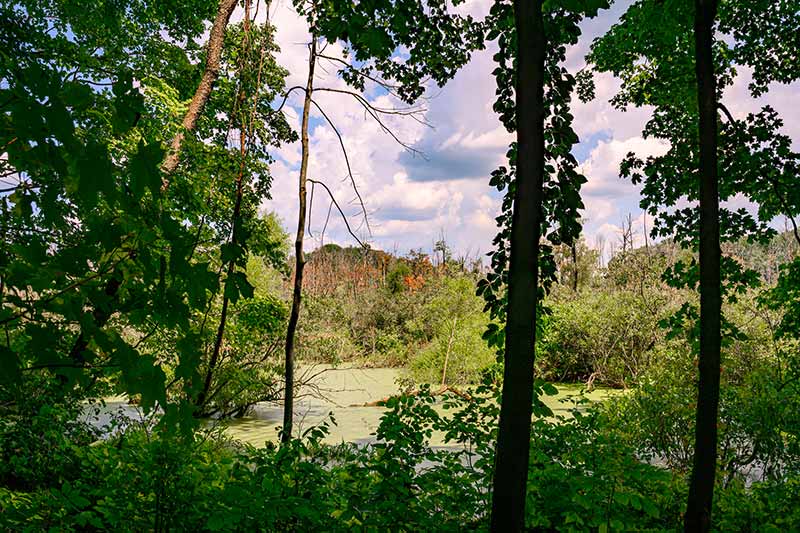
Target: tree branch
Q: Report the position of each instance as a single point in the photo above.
(344, 217)
(347, 162)
(215, 43)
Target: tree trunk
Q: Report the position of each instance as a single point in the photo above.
(237, 210)
(513, 442)
(449, 348)
(288, 402)
(216, 39)
(701, 488)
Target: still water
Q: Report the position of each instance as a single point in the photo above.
(342, 391)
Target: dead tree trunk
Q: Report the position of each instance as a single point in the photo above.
(574, 249)
(288, 395)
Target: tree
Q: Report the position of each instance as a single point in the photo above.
(373, 33)
(86, 228)
(297, 291)
(660, 66)
(210, 74)
(701, 487)
(511, 462)
(550, 203)
(250, 79)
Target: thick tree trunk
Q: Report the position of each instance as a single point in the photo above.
(288, 402)
(701, 488)
(513, 442)
(216, 39)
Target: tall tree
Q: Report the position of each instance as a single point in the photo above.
(513, 441)
(548, 160)
(712, 157)
(299, 258)
(701, 487)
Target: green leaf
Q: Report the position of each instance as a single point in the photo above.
(145, 169)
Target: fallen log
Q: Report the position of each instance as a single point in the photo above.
(441, 390)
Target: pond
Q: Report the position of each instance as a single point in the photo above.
(342, 391)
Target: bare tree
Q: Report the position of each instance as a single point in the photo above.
(378, 114)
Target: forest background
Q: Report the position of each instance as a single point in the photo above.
(147, 147)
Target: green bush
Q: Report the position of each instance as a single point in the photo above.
(759, 416)
(456, 353)
(41, 434)
(585, 475)
(604, 335)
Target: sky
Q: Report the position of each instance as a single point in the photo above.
(412, 199)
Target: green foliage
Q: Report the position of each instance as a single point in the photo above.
(456, 353)
(584, 475)
(94, 247)
(41, 442)
(652, 51)
(758, 414)
(435, 40)
(606, 335)
(396, 279)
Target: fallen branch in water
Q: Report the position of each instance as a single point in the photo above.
(437, 392)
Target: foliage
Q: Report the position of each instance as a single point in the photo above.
(562, 180)
(41, 442)
(606, 336)
(456, 353)
(88, 232)
(100, 251)
(758, 422)
(584, 475)
(436, 41)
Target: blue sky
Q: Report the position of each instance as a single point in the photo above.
(411, 200)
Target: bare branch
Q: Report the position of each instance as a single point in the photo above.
(347, 162)
(344, 217)
(391, 88)
(286, 96)
(327, 219)
(375, 114)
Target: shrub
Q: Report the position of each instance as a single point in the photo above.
(603, 335)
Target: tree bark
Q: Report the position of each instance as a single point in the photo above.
(235, 223)
(701, 488)
(288, 402)
(216, 40)
(513, 442)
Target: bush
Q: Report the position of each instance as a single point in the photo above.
(604, 335)
(584, 476)
(41, 435)
(456, 353)
(759, 416)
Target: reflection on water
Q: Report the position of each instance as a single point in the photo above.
(342, 391)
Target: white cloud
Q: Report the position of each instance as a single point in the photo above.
(412, 199)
